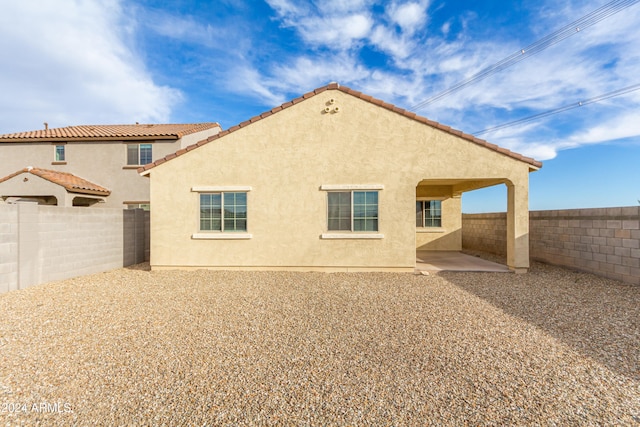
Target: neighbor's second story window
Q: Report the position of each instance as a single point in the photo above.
(139, 154)
(59, 154)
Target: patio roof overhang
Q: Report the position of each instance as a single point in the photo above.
(455, 187)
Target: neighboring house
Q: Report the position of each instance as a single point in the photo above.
(333, 181)
(89, 165)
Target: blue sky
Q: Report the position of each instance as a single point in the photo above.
(71, 62)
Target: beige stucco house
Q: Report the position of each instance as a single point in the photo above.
(333, 181)
(89, 165)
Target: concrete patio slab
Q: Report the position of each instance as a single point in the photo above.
(433, 261)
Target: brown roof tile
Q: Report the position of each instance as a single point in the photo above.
(70, 182)
(109, 132)
(368, 98)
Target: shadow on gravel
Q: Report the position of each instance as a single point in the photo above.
(597, 317)
(144, 266)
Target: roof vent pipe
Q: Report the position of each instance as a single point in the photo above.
(46, 126)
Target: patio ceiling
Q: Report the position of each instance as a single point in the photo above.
(455, 187)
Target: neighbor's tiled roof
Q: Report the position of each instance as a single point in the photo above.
(336, 86)
(109, 132)
(70, 182)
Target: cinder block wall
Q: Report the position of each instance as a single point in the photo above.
(39, 244)
(8, 247)
(603, 241)
(485, 232)
(74, 242)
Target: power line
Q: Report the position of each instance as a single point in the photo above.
(595, 99)
(575, 27)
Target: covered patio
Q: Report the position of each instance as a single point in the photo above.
(441, 242)
(434, 261)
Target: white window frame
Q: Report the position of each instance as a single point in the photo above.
(351, 234)
(430, 229)
(138, 150)
(64, 153)
(214, 234)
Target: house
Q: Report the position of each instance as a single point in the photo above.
(334, 180)
(89, 165)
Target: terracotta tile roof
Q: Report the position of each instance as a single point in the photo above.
(336, 86)
(70, 182)
(109, 132)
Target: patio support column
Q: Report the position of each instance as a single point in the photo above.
(518, 226)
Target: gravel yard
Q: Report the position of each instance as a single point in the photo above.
(133, 347)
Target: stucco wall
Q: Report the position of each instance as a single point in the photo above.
(449, 236)
(285, 159)
(604, 241)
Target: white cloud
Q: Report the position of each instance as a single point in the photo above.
(386, 40)
(72, 63)
(337, 24)
(620, 126)
(339, 32)
(408, 16)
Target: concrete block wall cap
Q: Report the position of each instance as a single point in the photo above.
(630, 210)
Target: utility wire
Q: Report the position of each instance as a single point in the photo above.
(575, 27)
(595, 99)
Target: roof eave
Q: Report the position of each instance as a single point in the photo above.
(92, 139)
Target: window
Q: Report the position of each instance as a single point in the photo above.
(59, 153)
(143, 206)
(352, 211)
(428, 213)
(139, 154)
(224, 211)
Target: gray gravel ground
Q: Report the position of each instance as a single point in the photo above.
(133, 347)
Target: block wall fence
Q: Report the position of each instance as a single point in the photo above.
(603, 241)
(39, 244)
